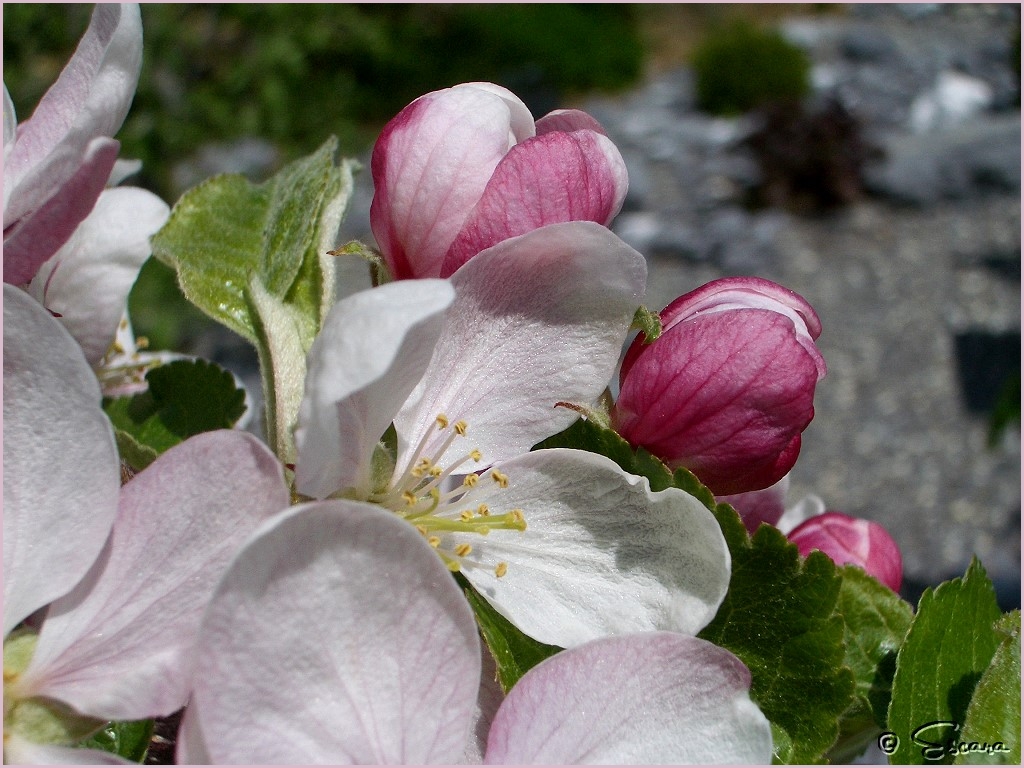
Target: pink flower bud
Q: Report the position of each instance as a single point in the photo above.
(461, 169)
(728, 387)
(853, 540)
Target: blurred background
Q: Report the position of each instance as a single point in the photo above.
(866, 156)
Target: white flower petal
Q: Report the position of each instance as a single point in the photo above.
(654, 698)
(119, 645)
(372, 350)
(337, 636)
(88, 280)
(601, 554)
(190, 747)
(18, 751)
(61, 470)
(537, 319)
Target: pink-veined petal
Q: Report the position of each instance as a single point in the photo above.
(337, 636)
(652, 698)
(601, 554)
(61, 470)
(537, 320)
(10, 121)
(430, 166)
(548, 179)
(90, 99)
(119, 645)
(488, 700)
(725, 395)
(190, 747)
(371, 352)
(35, 237)
(87, 281)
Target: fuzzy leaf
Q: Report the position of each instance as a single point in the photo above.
(948, 648)
(875, 621)
(185, 397)
(128, 740)
(994, 712)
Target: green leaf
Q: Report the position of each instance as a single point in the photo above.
(948, 648)
(875, 622)
(777, 616)
(514, 653)
(257, 259)
(227, 230)
(129, 740)
(184, 398)
(993, 716)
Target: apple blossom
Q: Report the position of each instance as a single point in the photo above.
(113, 580)
(461, 169)
(392, 676)
(57, 162)
(728, 387)
(845, 539)
(563, 543)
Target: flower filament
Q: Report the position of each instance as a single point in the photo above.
(425, 496)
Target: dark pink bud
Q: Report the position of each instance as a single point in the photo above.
(852, 540)
(464, 168)
(728, 387)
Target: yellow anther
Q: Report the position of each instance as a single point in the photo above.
(142, 342)
(422, 530)
(116, 346)
(410, 498)
(475, 455)
(460, 428)
(466, 514)
(501, 570)
(123, 325)
(483, 510)
(434, 541)
(442, 421)
(517, 516)
(470, 480)
(436, 471)
(463, 549)
(500, 479)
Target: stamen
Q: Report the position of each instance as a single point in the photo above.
(463, 549)
(501, 569)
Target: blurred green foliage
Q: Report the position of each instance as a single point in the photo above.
(295, 74)
(739, 66)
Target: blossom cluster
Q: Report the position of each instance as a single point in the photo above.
(326, 598)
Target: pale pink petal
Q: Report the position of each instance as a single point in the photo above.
(374, 347)
(551, 178)
(656, 698)
(488, 700)
(430, 166)
(337, 636)
(19, 751)
(61, 470)
(567, 120)
(10, 121)
(808, 507)
(756, 507)
(537, 320)
(189, 747)
(90, 99)
(86, 283)
(601, 554)
(119, 645)
(36, 236)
